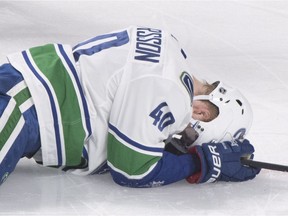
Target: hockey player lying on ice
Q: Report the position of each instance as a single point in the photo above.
(121, 102)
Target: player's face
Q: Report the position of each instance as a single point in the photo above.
(200, 111)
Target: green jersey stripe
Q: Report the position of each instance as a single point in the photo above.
(9, 126)
(22, 96)
(120, 156)
(52, 68)
(13, 136)
(6, 113)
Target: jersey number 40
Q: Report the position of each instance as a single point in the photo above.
(161, 118)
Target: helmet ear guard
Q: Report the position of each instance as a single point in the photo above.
(234, 119)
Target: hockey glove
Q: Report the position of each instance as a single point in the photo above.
(222, 162)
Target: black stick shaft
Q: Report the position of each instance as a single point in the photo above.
(264, 165)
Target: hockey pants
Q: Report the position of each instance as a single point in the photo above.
(19, 129)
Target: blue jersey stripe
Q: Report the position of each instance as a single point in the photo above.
(119, 35)
(132, 142)
(84, 102)
(97, 38)
(85, 153)
(53, 106)
(121, 39)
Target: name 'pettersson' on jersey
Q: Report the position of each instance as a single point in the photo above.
(148, 45)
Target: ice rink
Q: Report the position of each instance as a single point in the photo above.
(243, 43)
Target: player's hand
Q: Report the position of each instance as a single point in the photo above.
(222, 162)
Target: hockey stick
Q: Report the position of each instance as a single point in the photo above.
(264, 165)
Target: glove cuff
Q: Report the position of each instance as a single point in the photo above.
(200, 163)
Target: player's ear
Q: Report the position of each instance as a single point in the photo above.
(204, 115)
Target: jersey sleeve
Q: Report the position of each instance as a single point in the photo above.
(144, 114)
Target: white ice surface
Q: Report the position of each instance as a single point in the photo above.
(244, 43)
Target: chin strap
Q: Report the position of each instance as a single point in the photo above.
(209, 97)
(203, 97)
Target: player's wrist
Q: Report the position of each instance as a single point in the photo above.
(198, 160)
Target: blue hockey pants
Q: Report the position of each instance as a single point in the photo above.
(19, 129)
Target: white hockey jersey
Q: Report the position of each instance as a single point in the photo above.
(115, 97)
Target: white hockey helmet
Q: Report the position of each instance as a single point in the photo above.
(234, 119)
